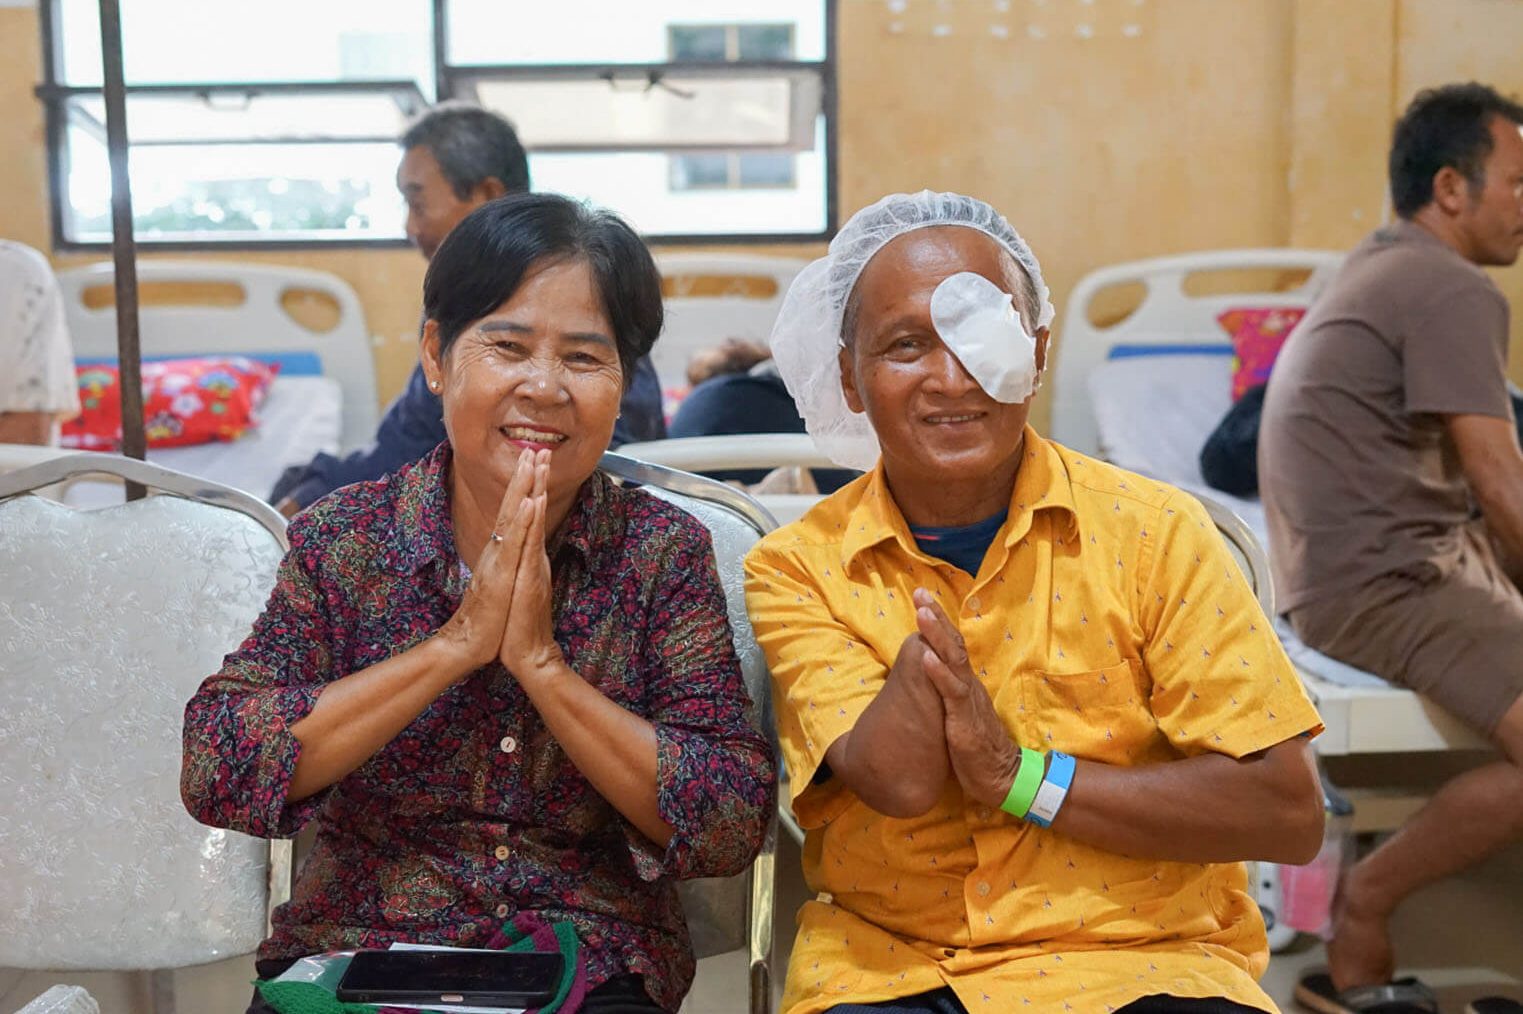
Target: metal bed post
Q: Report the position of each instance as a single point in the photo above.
(123, 242)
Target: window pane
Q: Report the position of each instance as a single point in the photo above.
(159, 118)
(765, 170)
(611, 31)
(697, 42)
(638, 186)
(772, 110)
(246, 192)
(210, 41)
(691, 172)
(766, 42)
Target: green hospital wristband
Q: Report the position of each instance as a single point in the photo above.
(1028, 779)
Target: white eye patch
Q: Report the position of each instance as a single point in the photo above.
(977, 320)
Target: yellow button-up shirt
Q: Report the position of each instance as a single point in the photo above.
(1108, 620)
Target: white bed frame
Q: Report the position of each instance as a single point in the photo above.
(1359, 720)
(695, 321)
(260, 324)
(1167, 315)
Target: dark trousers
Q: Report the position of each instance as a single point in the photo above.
(623, 994)
(944, 1001)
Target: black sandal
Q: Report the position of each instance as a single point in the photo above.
(1403, 996)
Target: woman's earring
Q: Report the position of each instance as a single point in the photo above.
(433, 385)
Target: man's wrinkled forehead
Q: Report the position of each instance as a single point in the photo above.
(932, 254)
(909, 267)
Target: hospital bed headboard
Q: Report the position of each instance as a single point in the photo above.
(711, 297)
(311, 321)
(1169, 317)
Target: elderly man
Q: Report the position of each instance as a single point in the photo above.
(1390, 469)
(455, 158)
(1034, 718)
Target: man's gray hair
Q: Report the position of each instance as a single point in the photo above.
(471, 144)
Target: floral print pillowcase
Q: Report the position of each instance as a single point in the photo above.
(1257, 337)
(185, 401)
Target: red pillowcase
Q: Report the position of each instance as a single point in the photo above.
(1257, 336)
(185, 401)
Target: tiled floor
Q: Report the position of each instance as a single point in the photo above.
(1446, 934)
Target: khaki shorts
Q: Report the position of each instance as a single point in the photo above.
(1455, 638)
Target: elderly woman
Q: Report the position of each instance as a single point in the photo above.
(500, 685)
(1033, 716)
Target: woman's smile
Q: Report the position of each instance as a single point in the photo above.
(533, 437)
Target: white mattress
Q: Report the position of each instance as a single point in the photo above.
(1154, 414)
(300, 417)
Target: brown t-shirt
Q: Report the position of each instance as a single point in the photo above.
(1358, 475)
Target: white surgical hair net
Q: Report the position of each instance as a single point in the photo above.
(806, 337)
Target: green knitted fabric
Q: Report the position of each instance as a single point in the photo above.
(565, 936)
(318, 998)
(310, 998)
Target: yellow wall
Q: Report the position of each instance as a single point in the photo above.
(1106, 130)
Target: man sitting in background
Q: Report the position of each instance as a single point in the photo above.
(1388, 462)
(37, 387)
(456, 157)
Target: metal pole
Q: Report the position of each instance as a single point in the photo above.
(123, 243)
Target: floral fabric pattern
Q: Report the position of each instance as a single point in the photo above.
(474, 814)
(1257, 337)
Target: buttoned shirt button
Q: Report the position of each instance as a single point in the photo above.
(974, 604)
(502, 911)
(983, 888)
(984, 813)
(501, 852)
(508, 744)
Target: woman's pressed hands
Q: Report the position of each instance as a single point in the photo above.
(528, 645)
(984, 758)
(477, 626)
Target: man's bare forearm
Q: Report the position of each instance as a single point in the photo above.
(895, 757)
(1207, 809)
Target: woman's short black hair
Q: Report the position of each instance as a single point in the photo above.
(485, 258)
(1448, 126)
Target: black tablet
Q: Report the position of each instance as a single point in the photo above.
(468, 978)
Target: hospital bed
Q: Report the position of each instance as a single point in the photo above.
(711, 297)
(310, 322)
(1145, 390)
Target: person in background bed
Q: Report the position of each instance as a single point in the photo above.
(500, 684)
(455, 158)
(985, 622)
(737, 390)
(37, 386)
(1388, 463)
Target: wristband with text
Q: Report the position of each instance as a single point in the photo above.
(1054, 789)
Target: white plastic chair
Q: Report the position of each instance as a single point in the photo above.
(109, 620)
(726, 913)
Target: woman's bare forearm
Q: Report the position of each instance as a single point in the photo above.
(613, 748)
(359, 714)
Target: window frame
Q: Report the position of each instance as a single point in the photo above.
(450, 81)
